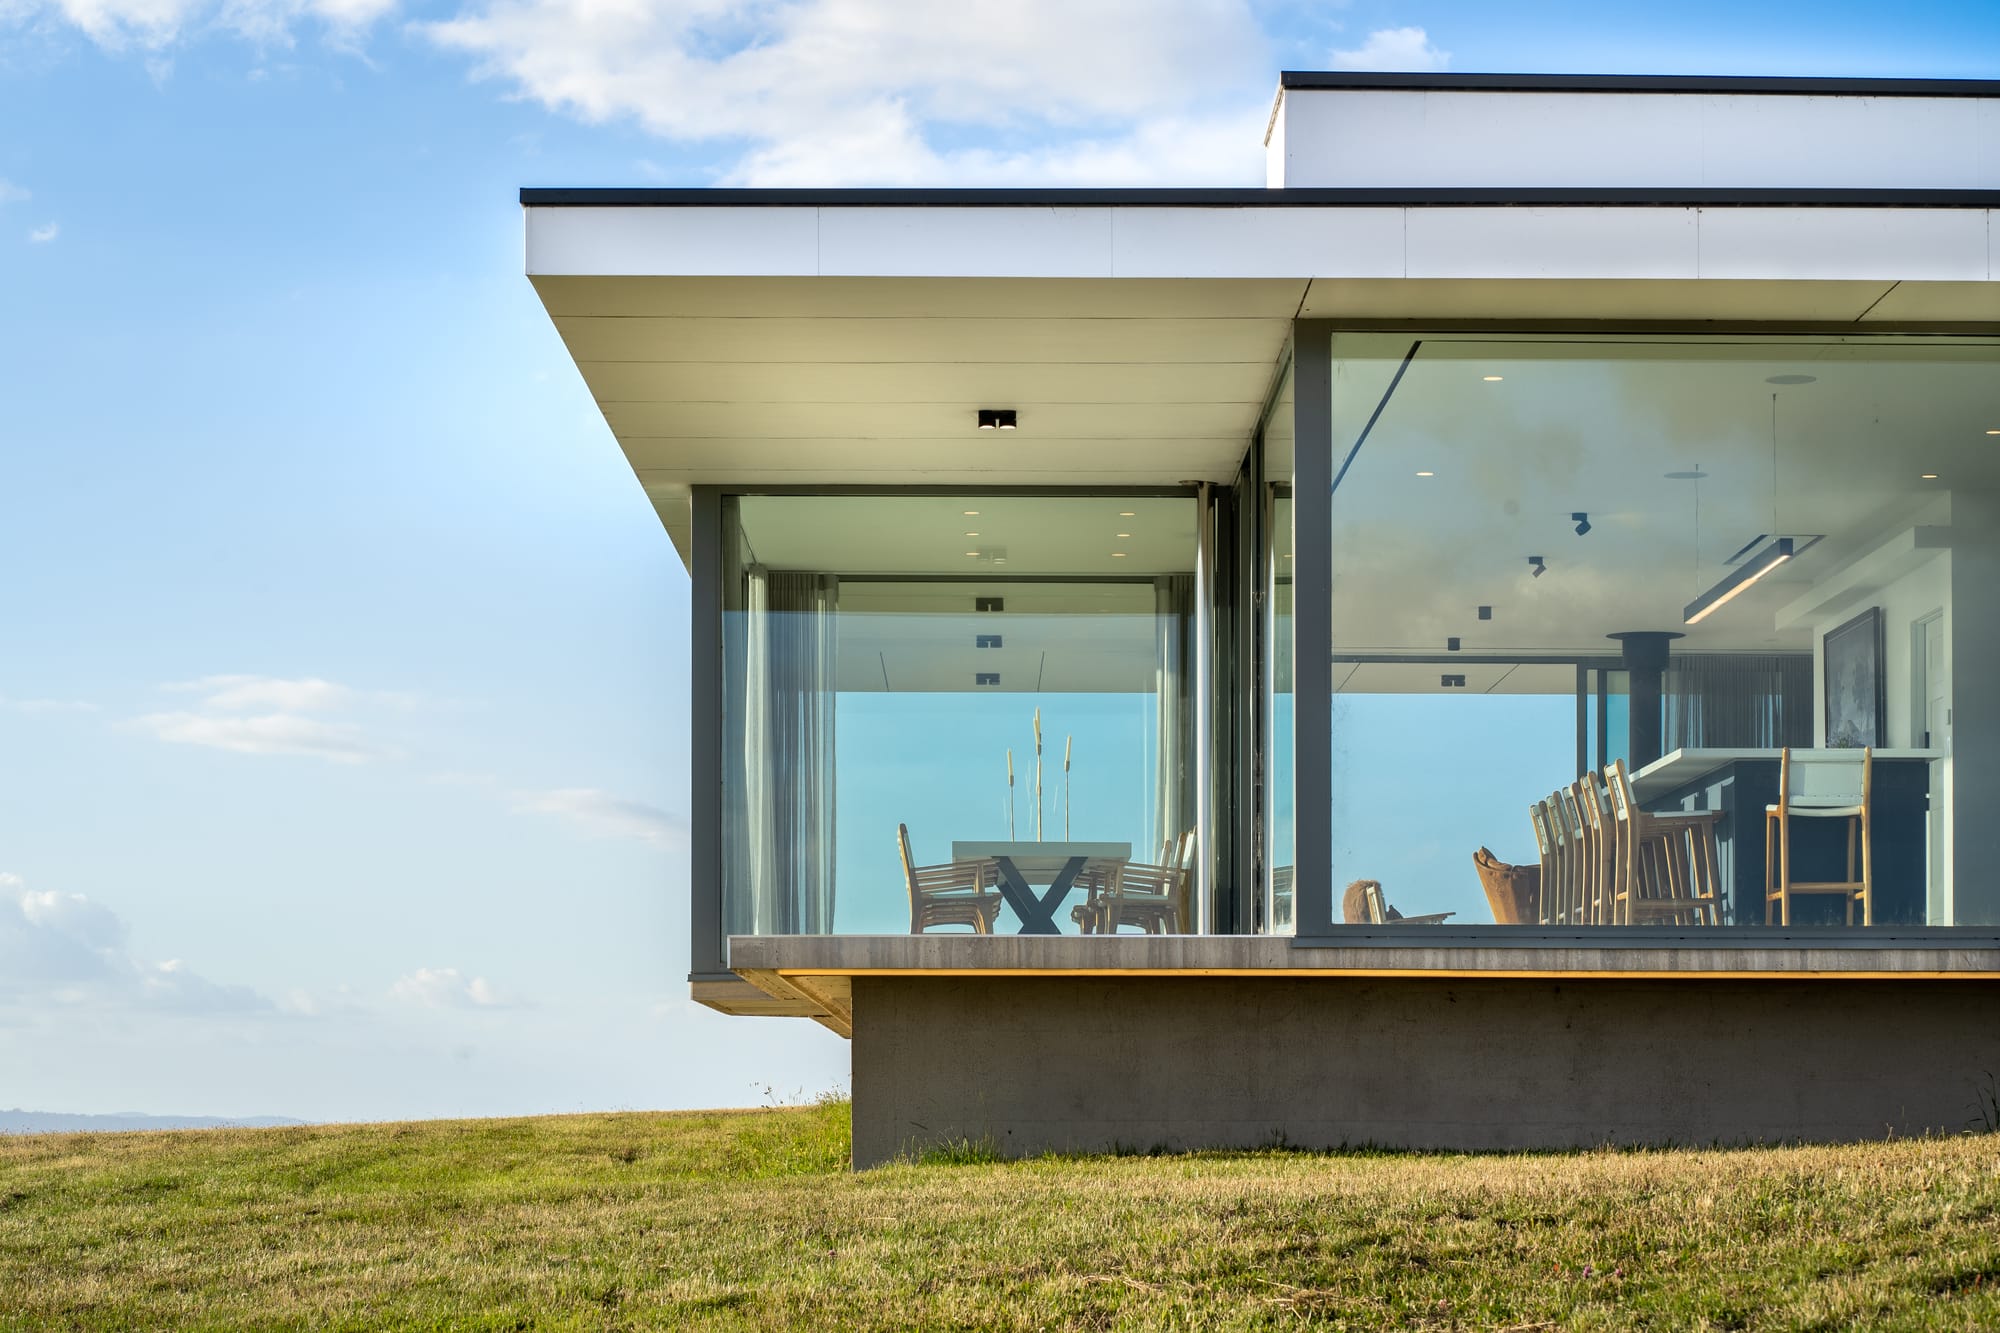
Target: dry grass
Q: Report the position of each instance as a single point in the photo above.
(751, 1220)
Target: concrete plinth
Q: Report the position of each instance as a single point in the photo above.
(1102, 1063)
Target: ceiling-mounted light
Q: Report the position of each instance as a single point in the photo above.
(1427, 474)
(1133, 513)
(970, 513)
(1747, 573)
(1582, 521)
(1928, 476)
(1539, 565)
(1993, 432)
(1451, 682)
(1493, 379)
(1790, 379)
(997, 418)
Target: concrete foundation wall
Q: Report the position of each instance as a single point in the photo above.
(1104, 1063)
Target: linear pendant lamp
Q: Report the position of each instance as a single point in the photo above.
(1747, 573)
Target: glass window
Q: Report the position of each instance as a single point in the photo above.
(1755, 559)
(1002, 686)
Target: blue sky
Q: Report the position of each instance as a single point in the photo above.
(342, 677)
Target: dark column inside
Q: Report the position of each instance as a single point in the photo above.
(1645, 664)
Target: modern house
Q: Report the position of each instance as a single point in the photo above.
(1121, 617)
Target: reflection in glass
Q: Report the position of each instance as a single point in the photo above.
(979, 671)
(1635, 549)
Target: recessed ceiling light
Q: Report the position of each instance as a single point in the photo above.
(1288, 555)
(1427, 474)
(1993, 432)
(1117, 555)
(970, 513)
(1929, 476)
(1493, 379)
(1133, 513)
(1791, 379)
(1696, 475)
(1124, 534)
(997, 418)
(972, 534)
(973, 554)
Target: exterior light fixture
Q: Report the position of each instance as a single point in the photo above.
(970, 513)
(997, 418)
(1539, 565)
(1993, 432)
(1486, 613)
(1117, 555)
(1582, 521)
(1124, 534)
(1493, 379)
(1791, 379)
(972, 534)
(1451, 682)
(1747, 573)
(973, 554)
(1928, 476)
(1451, 644)
(1427, 474)
(1133, 513)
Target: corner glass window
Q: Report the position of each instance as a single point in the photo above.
(969, 713)
(1679, 632)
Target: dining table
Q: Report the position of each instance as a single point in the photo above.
(1021, 866)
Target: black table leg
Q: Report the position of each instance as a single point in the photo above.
(1037, 913)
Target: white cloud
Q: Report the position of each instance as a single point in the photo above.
(46, 705)
(1393, 49)
(446, 988)
(43, 234)
(606, 815)
(268, 733)
(241, 693)
(848, 91)
(271, 715)
(154, 25)
(63, 948)
(11, 193)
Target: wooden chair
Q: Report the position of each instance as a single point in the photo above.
(1547, 906)
(1664, 866)
(1600, 851)
(1820, 784)
(1378, 910)
(957, 893)
(1151, 897)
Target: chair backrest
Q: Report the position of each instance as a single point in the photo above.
(1618, 786)
(1538, 816)
(1603, 834)
(909, 874)
(1822, 778)
(1378, 910)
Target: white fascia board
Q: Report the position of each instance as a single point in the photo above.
(1279, 241)
(1420, 139)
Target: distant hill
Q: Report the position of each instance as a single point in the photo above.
(59, 1122)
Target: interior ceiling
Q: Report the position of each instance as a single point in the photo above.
(1594, 427)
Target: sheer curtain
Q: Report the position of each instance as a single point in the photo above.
(1173, 632)
(779, 853)
(1738, 700)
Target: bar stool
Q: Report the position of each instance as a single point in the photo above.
(1820, 784)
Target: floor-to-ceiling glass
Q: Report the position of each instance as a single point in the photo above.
(1762, 561)
(969, 712)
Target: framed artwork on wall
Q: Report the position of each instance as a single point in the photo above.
(1855, 699)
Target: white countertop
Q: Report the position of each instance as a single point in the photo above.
(1675, 770)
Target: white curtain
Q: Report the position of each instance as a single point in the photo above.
(780, 847)
(1173, 632)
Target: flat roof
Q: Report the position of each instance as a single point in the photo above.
(1252, 197)
(1750, 85)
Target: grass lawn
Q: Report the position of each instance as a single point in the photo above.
(752, 1220)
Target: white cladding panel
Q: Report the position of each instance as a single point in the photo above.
(1408, 138)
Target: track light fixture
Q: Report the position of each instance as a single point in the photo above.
(1539, 565)
(1582, 521)
(997, 418)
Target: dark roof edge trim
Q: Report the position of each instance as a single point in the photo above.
(1638, 83)
(1481, 197)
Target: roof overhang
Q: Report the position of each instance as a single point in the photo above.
(770, 338)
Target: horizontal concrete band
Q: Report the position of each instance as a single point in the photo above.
(857, 955)
(1092, 1063)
